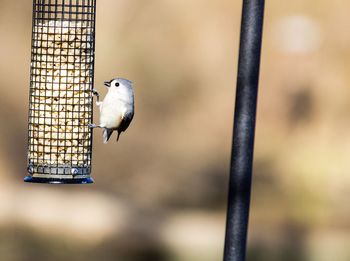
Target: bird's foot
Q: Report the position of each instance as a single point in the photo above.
(92, 126)
(95, 93)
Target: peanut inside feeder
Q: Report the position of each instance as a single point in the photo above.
(60, 106)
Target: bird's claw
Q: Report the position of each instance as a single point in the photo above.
(92, 126)
(95, 92)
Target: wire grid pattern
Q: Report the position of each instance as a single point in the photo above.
(60, 99)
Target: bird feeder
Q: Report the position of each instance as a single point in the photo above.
(60, 97)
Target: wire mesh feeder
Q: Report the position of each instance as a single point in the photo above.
(60, 98)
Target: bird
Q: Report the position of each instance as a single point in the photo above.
(117, 107)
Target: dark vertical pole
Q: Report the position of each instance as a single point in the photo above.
(244, 129)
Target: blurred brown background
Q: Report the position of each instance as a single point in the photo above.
(160, 193)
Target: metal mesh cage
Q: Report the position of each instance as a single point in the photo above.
(60, 98)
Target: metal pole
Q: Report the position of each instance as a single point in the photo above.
(243, 131)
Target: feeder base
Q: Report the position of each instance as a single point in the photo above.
(58, 181)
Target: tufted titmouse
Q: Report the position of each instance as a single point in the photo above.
(116, 109)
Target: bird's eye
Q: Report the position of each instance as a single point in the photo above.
(117, 84)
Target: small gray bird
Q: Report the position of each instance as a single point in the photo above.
(116, 109)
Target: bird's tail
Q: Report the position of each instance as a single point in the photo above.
(106, 135)
(119, 132)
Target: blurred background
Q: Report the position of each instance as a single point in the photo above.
(160, 192)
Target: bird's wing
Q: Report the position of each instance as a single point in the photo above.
(126, 119)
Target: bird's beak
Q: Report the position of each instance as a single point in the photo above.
(107, 83)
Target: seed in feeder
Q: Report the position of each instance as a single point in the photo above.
(60, 69)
